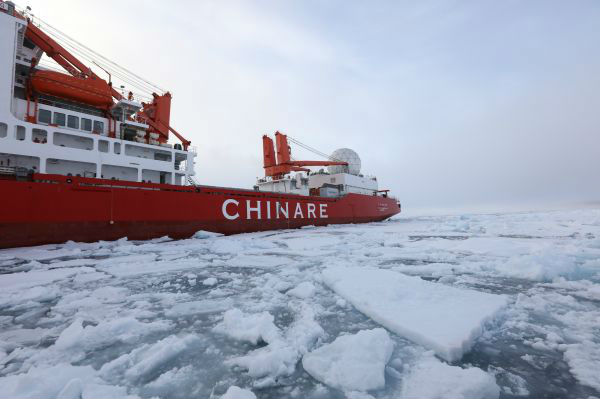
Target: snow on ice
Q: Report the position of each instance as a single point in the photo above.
(430, 378)
(503, 305)
(238, 393)
(352, 362)
(443, 318)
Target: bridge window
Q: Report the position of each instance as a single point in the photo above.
(86, 124)
(98, 127)
(73, 122)
(44, 116)
(60, 119)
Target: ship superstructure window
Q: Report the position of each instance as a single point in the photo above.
(103, 146)
(73, 122)
(20, 132)
(44, 116)
(86, 124)
(3, 129)
(98, 127)
(60, 119)
(70, 141)
(39, 136)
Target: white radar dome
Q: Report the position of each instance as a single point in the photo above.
(345, 155)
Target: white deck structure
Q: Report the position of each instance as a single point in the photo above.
(71, 140)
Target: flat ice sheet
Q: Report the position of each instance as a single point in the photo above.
(439, 317)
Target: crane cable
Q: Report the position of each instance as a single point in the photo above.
(87, 55)
(123, 74)
(313, 150)
(81, 46)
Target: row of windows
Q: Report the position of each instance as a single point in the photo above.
(70, 121)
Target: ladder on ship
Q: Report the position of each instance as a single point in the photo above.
(192, 182)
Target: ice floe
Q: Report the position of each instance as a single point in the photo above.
(352, 362)
(235, 392)
(431, 378)
(439, 317)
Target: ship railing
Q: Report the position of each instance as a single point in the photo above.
(55, 102)
(17, 171)
(95, 184)
(7, 170)
(109, 183)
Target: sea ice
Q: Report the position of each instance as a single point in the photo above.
(431, 378)
(443, 318)
(352, 362)
(147, 359)
(199, 307)
(252, 328)
(118, 318)
(210, 281)
(303, 290)
(24, 280)
(59, 381)
(280, 356)
(201, 235)
(238, 393)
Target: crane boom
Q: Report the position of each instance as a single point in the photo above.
(280, 166)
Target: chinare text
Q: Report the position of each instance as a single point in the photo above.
(255, 209)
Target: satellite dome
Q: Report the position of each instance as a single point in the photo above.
(345, 155)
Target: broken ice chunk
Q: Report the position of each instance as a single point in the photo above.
(352, 362)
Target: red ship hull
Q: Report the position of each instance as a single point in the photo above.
(54, 209)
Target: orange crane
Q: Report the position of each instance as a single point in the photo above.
(83, 85)
(281, 164)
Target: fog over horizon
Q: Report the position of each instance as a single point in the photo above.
(451, 104)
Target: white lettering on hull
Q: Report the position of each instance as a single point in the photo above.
(278, 208)
(250, 209)
(224, 209)
(298, 212)
(254, 210)
(322, 210)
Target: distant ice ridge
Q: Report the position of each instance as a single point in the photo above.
(439, 317)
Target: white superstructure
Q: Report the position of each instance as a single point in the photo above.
(338, 180)
(71, 138)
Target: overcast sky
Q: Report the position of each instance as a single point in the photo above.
(449, 103)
